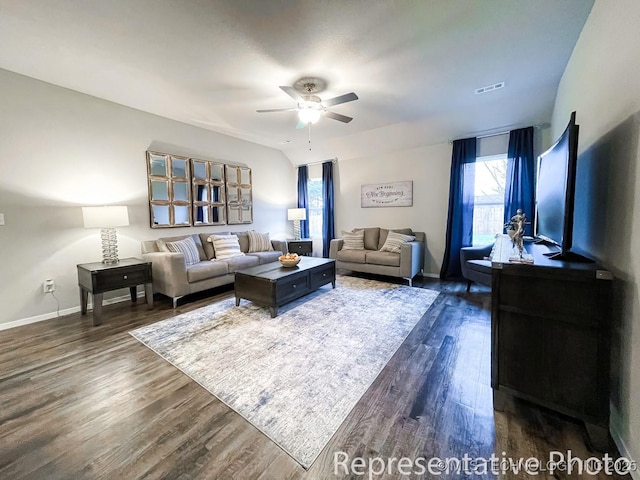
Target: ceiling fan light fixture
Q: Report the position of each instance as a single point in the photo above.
(309, 115)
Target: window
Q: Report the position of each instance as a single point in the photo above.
(314, 186)
(488, 210)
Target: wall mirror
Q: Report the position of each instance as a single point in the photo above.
(169, 178)
(208, 191)
(239, 194)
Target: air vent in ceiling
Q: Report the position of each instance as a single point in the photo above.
(489, 88)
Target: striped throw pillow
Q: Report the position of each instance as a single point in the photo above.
(225, 246)
(188, 248)
(259, 242)
(394, 241)
(353, 240)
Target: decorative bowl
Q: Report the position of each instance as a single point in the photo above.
(290, 263)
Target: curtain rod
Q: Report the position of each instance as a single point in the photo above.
(332, 160)
(543, 125)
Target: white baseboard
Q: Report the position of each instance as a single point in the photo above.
(62, 313)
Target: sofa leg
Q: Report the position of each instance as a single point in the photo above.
(175, 301)
(468, 285)
(410, 280)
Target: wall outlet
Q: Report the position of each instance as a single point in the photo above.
(49, 286)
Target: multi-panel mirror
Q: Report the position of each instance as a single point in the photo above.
(239, 195)
(169, 192)
(192, 192)
(208, 192)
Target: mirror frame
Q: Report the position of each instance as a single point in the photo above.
(239, 210)
(209, 184)
(171, 179)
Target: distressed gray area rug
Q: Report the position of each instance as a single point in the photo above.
(295, 377)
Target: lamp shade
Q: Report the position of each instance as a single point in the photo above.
(105, 217)
(297, 214)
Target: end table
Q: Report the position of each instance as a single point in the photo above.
(97, 278)
(304, 246)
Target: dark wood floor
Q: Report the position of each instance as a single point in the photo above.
(78, 401)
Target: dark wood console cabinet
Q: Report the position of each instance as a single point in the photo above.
(550, 328)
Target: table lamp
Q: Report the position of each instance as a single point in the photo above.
(106, 219)
(297, 214)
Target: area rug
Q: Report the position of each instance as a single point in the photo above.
(295, 377)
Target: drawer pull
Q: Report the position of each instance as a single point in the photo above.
(324, 274)
(124, 276)
(294, 285)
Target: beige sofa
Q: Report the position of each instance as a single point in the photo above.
(406, 264)
(173, 278)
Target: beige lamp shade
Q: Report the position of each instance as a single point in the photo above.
(297, 214)
(105, 217)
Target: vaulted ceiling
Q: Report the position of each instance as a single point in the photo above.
(211, 63)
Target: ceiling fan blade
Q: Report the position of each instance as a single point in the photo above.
(347, 97)
(293, 93)
(337, 116)
(277, 110)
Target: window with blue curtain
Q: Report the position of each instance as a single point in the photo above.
(520, 182)
(303, 198)
(460, 214)
(328, 227)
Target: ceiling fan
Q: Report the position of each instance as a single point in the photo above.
(311, 107)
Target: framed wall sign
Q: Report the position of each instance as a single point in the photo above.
(396, 194)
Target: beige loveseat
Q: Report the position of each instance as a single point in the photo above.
(173, 278)
(407, 263)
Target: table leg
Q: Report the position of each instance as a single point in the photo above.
(333, 283)
(148, 293)
(134, 294)
(274, 311)
(237, 301)
(97, 308)
(84, 295)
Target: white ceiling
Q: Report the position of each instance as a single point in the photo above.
(211, 63)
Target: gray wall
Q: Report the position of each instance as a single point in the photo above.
(61, 150)
(601, 84)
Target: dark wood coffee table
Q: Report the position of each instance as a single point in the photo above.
(272, 285)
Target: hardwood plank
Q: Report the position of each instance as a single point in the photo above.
(78, 401)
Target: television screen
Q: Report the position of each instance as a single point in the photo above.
(551, 192)
(555, 193)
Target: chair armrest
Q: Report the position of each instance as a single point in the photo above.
(334, 247)
(169, 273)
(411, 258)
(475, 253)
(280, 245)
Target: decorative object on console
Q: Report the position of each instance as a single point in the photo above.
(515, 230)
(239, 195)
(106, 219)
(296, 214)
(397, 194)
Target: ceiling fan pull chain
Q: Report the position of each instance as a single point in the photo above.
(309, 136)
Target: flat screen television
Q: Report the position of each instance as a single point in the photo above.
(555, 194)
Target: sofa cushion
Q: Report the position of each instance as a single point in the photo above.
(266, 257)
(162, 244)
(371, 236)
(354, 256)
(394, 241)
(243, 239)
(206, 270)
(187, 247)
(383, 258)
(225, 246)
(207, 246)
(240, 262)
(353, 240)
(384, 232)
(259, 242)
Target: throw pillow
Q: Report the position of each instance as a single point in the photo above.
(394, 241)
(187, 247)
(259, 242)
(225, 246)
(353, 240)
